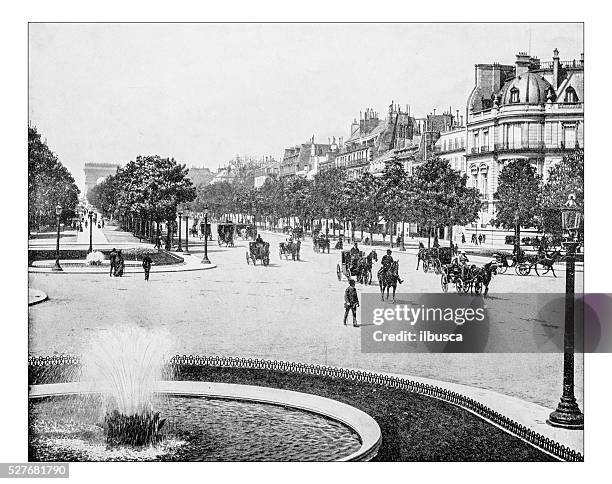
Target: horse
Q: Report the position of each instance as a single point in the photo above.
(320, 244)
(388, 278)
(548, 261)
(364, 267)
(481, 277)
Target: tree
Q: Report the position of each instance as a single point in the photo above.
(148, 189)
(393, 193)
(441, 196)
(49, 184)
(564, 178)
(518, 198)
(326, 187)
(104, 195)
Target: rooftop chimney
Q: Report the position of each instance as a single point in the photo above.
(556, 63)
(523, 60)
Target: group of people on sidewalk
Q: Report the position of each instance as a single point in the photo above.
(117, 264)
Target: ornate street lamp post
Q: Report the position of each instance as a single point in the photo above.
(568, 414)
(326, 222)
(186, 252)
(90, 232)
(180, 247)
(205, 260)
(58, 212)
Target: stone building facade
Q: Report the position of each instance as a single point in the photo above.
(303, 160)
(532, 110)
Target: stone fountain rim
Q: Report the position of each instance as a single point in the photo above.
(360, 422)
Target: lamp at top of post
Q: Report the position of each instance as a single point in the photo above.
(571, 217)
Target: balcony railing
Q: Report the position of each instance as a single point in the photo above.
(480, 149)
(521, 147)
(573, 64)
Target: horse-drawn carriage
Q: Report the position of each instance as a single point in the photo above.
(321, 243)
(289, 248)
(225, 233)
(346, 264)
(205, 230)
(434, 259)
(468, 278)
(523, 263)
(359, 267)
(258, 250)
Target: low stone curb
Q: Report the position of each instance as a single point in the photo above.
(36, 296)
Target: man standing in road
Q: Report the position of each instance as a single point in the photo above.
(147, 262)
(351, 302)
(113, 261)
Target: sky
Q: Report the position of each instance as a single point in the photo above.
(203, 93)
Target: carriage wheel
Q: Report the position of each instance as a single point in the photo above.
(298, 255)
(437, 267)
(339, 272)
(459, 285)
(248, 258)
(444, 283)
(219, 241)
(477, 287)
(367, 278)
(501, 269)
(425, 267)
(523, 269)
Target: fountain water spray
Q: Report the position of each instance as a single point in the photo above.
(125, 363)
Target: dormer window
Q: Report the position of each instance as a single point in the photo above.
(514, 95)
(570, 95)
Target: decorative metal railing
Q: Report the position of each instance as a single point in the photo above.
(532, 437)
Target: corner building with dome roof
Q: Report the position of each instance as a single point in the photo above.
(532, 110)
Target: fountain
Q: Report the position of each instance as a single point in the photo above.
(126, 405)
(126, 363)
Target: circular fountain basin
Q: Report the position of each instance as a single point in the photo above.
(218, 421)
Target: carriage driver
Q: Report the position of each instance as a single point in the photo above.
(259, 240)
(385, 263)
(461, 261)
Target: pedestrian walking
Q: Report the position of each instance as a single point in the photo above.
(113, 261)
(147, 262)
(463, 238)
(484, 238)
(119, 264)
(479, 239)
(351, 302)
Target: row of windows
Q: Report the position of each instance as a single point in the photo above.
(570, 95)
(453, 144)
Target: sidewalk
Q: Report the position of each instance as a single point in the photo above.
(97, 236)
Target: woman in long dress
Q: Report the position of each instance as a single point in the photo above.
(120, 264)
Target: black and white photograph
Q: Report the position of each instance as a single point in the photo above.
(313, 241)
